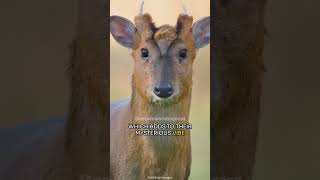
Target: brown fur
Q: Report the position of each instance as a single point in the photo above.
(137, 157)
(165, 33)
(184, 25)
(164, 36)
(145, 26)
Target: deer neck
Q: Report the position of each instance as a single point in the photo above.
(161, 151)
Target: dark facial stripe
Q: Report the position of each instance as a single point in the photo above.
(166, 70)
(178, 27)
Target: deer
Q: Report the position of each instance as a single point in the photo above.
(76, 147)
(161, 87)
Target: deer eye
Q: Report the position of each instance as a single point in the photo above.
(183, 54)
(144, 53)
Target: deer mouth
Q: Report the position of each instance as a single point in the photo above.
(159, 101)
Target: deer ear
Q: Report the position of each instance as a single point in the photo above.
(201, 32)
(122, 30)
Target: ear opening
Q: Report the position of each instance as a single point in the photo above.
(201, 32)
(123, 31)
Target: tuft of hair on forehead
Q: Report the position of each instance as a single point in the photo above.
(184, 25)
(165, 33)
(145, 25)
(164, 36)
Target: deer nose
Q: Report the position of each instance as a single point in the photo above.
(163, 90)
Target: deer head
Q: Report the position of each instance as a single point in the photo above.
(163, 56)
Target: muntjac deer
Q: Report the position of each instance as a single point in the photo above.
(76, 148)
(161, 88)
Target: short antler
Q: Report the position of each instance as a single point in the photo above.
(141, 7)
(184, 8)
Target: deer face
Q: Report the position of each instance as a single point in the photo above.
(163, 56)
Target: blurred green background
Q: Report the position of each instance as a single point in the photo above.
(166, 12)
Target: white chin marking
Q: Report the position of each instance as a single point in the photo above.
(162, 101)
(156, 99)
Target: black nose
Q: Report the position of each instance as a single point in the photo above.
(163, 90)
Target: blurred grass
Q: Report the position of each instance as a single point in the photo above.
(122, 68)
